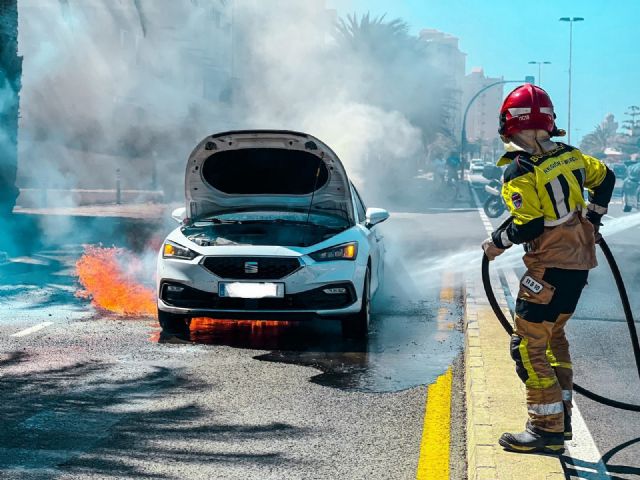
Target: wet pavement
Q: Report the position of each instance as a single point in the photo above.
(89, 395)
(400, 352)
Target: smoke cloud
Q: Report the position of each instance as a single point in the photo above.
(134, 85)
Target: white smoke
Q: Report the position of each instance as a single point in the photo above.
(103, 91)
(300, 79)
(123, 85)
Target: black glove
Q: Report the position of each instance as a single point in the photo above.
(595, 219)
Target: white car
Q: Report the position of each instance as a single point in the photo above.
(272, 230)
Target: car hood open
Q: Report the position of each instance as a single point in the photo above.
(253, 170)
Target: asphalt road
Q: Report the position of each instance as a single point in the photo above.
(88, 395)
(602, 353)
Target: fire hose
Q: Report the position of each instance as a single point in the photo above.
(486, 280)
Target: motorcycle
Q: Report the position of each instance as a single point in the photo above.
(494, 205)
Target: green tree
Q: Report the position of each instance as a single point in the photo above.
(366, 34)
(631, 124)
(630, 141)
(396, 71)
(603, 136)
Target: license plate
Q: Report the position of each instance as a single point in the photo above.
(250, 290)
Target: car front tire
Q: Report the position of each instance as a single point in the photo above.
(357, 325)
(173, 324)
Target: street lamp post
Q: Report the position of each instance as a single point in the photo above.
(463, 133)
(571, 20)
(535, 62)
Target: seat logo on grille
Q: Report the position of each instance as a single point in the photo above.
(250, 267)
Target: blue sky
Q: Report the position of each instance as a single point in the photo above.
(502, 36)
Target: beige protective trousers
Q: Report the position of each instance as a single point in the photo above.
(558, 264)
(543, 362)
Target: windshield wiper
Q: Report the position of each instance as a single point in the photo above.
(218, 221)
(298, 222)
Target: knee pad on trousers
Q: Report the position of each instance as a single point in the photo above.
(515, 354)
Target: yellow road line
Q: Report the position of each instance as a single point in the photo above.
(447, 297)
(447, 294)
(434, 449)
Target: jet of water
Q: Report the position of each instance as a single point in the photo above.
(620, 224)
(469, 260)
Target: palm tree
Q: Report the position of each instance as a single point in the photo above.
(603, 136)
(595, 142)
(394, 71)
(368, 34)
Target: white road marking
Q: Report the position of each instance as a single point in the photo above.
(30, 330)
(28, 260)
(483, 216)
(582, 448)
(512, 279)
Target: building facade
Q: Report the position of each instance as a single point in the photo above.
(446, 57)
(482, 118)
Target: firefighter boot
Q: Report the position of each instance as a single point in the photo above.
(568, 432)
(533, 440)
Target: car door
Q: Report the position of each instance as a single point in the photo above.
(374, 238)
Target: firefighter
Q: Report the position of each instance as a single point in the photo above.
(543, 189)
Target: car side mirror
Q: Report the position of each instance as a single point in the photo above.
(179, 214)
(375, 216)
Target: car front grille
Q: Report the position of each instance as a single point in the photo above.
(257, 268)
(316, 299)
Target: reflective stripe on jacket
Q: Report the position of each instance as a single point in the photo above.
(545, 190)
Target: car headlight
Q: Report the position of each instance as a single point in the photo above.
(173, 250)
(346, 251)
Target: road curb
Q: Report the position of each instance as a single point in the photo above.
(495, 397)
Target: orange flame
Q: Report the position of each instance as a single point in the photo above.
(112, 287)
(202, 323)
(117, 289)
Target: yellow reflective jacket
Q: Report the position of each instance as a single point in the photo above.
(545, 190)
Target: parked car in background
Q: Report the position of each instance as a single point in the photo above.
(476, 173)
(476, 166)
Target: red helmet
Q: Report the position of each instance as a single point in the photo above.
(527, 108)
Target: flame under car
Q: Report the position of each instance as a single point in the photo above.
(272, 229)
